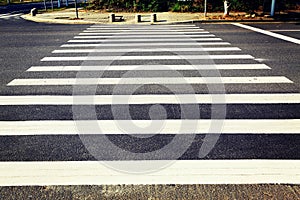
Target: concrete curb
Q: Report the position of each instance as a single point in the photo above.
(55, 21)
(39, 19)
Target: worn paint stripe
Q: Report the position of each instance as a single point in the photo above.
(186, 126)
(168, 172)
(149, 67)
(289, 98)
(146, 80)
(164, 57)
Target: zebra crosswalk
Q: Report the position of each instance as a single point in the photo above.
(153, 104)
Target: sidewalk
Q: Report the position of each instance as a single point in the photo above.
(68, 16)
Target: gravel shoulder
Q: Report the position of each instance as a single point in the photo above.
(165, 192)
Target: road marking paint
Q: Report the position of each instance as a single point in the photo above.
(145, 80)
(146, 33)
(5, 16)
(166, 57)
(33, 173)
(175, 25)
(144, 28)
(140, 36)
(276, 35)
(164, 44)
(145, 40)
(148, 67)
(147, 50)
(169, 126)
(148, 26)
(289, 98)
(285, 30)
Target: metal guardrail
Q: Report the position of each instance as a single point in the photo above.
(6, 2)
(56, 3)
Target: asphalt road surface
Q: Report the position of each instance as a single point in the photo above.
(222, 99)
(13, 11)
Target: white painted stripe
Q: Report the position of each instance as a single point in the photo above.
(276, 35)
(146, 40)
(136, 30)
(9, 16)
(148, 26)
(177, 126)
(5, 14)
(140, 36)
(166, 57)
(147, 50)
(33, 173)
(138, 27)
(289, 98)
(176, 25)
(13, 15)
(148, 67)
(285, 30)
(141, 26)
(146, 33)
(144, 28)
(145, 80)
(143, 45)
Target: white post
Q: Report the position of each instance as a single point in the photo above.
(52, 5)
(205, 6)
(45, 5)
(226, 8)
(273, 8)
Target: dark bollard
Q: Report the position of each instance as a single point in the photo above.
(112, 17)
(33, 12)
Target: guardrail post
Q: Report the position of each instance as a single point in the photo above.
(45, 5)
